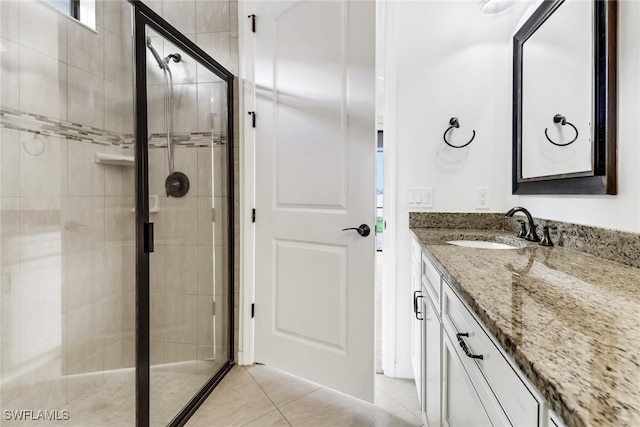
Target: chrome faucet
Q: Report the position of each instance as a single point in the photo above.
(531, 229)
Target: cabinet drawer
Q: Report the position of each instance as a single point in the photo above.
(519, 404)
(431, 281)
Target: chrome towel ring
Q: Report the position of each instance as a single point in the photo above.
(454, 123)
(559, 118)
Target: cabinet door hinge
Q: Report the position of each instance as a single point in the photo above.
(253, 118)
(253, 310)
(253, 22)
(214, 308)
(253, 215)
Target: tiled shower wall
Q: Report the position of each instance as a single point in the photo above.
(67, 223)
(65, 261)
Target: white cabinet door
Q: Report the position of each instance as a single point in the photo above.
(416, 326)
(432, 368)
(462, 406)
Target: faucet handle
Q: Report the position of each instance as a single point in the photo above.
(546, 238)
(523, 229)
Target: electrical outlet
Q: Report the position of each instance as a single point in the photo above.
(482, 198)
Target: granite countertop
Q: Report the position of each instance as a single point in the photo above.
(570, 320)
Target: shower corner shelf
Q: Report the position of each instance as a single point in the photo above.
(114, 159)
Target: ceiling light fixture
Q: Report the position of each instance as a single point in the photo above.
(493, 7)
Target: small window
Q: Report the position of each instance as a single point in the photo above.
(81, 10)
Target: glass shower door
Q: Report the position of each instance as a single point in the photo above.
(188, 205)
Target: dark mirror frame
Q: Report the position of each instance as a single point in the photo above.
(602, 179)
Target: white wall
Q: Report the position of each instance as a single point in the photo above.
(445, 59)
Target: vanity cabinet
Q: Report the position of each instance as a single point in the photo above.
(463, 376)
(461, 404)
(417, 319)
(503, 394)
(431, 402)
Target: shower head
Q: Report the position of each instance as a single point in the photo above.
(161, 62)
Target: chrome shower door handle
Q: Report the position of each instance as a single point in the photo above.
(363, 230)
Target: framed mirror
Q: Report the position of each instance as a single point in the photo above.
(564, 99)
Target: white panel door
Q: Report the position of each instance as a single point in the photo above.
(315, 175)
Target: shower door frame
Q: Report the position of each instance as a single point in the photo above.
(144, 17)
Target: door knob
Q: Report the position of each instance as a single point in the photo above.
(363, 230)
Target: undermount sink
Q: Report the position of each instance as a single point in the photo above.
(480, 244)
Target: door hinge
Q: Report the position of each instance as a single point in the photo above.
(214, 308)
(253, 22)
(148, 237)
(253, 310)
(253, 215)
(253, 118)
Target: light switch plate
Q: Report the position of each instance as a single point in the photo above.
(421, 197)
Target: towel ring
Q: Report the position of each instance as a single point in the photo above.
(559, 118)
(454, 123)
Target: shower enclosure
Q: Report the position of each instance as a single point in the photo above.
(116, 218)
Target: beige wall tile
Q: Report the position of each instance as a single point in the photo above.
(186, 161)
(180, 320)
(212, 16)
(205, 158)
(181, 269)
(86, 48)
(9, 72)
(83, 223)
(113, 14)
(41, 227)
(119, 220)
(85, 177)
(205, 320)
(157, 267)
(9, 25)
(119, 180)
(205, 221)
(181, 14)
(181, 220)
(158, 317)
(205, 270)
(42, 77)
(43, 165)
(43, 29)
(86, 98)
(216, 44)
(10, 230)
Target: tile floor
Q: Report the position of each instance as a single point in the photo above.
(261, 396)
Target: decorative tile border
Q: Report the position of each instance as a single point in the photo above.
(41, 125)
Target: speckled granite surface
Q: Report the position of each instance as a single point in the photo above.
(614, 245)
(570, 320)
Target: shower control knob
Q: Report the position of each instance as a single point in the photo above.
(177, 184)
